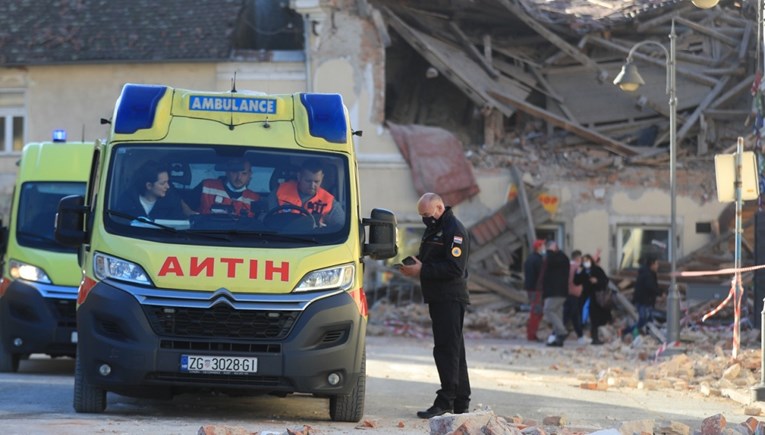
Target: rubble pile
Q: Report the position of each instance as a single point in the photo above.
(704, 364)
(485, 421)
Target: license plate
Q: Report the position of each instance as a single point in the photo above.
(229, 365)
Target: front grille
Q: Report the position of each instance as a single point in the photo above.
(220, 321)
(221, 347)
(67, 312)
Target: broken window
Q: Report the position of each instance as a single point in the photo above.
(637, 241)
(269, 25)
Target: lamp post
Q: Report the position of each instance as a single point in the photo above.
(705, 4)
(629, 80)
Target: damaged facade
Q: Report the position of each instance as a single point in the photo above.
(527, 85)
(523, 85)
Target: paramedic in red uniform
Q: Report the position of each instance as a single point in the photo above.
(229, 194)
(306, 192)
(442, 265)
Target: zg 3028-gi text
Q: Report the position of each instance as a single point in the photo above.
(222, 364)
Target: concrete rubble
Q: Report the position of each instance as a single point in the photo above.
(485, 422)
(703, 367)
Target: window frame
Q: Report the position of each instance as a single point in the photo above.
(620, 242)
(8, 113)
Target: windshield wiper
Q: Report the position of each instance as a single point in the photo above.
(141, 219)
(265, 235)
(145, 220)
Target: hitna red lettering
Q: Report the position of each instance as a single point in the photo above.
(269, 270)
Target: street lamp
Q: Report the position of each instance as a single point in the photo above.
(629, 80)
(705, 4)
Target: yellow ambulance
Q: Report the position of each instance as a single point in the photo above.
(38, 290)
(223, 250)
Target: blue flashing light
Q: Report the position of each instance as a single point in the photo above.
(59, 135)
(137, 107)
(326, 117)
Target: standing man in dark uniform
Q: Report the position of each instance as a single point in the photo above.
(442, 267)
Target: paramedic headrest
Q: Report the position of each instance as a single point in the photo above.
(236, 165)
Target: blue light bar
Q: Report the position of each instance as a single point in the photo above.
(326, 117)
(137, 107)
(59, 135)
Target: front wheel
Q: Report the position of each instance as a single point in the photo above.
(87, 397)
(350, 407)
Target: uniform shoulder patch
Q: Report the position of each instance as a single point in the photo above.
(456, 251)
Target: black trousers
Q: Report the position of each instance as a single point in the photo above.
(449, 354)
(572, 312)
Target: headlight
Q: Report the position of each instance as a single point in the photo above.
(26, 271)
(105, 266)
(339, 277)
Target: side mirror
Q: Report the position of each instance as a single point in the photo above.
(382, 235)
(70, 221)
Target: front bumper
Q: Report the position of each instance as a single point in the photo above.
(39, 318)
(298, 339)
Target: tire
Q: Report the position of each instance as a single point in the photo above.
(350, 407)
(9, 362)
(87, 398)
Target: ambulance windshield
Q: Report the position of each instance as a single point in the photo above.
(38, 203)
(207, 194)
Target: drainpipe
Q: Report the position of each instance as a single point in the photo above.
(307, 25)
(313, 18)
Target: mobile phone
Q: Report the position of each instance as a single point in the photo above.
(408, 261)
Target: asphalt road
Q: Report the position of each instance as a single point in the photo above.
(401, 380)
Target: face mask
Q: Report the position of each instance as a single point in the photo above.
(235, 189)
(543, 252)
(429, 221)
(587, 264)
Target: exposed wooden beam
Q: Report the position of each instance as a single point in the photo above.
(612, 145)
(552, 37)
(744, 47)
(727, 114)
(702, 105)
(733, 92)
(705, 30)
(496, 286)
(474, 53)
(700, 78)
(523, 201)
(382, 29)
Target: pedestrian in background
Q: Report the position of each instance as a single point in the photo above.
(572, 308)
(554, 292)
(646, 292)
(593, 280)
(442, 267)
(532, 282)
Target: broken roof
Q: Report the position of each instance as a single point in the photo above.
(34, 32)
(587, 15)
(504, 55)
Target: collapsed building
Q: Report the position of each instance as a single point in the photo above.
(527, 86)
(505, 107)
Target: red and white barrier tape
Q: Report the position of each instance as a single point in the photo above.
(736, 293)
